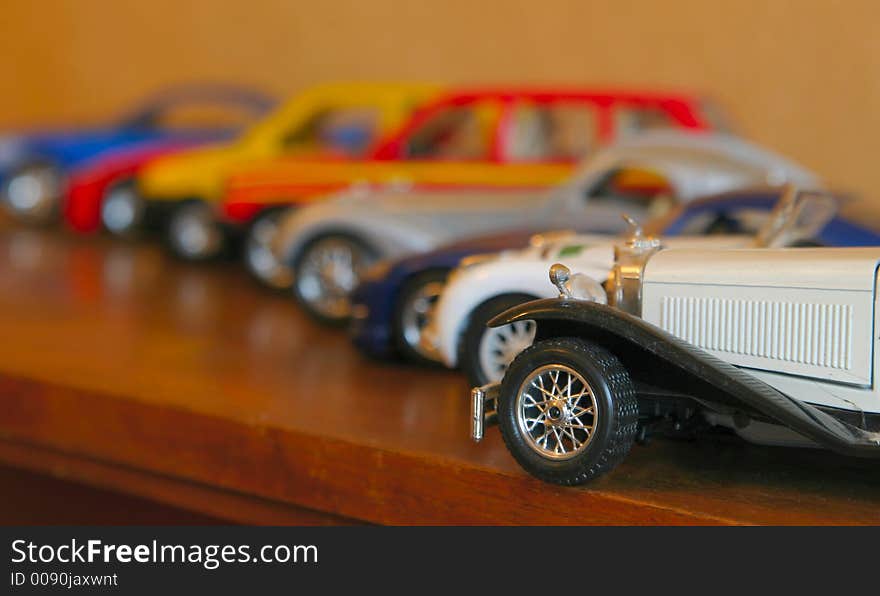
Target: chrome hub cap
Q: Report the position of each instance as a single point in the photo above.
(261, 257)
(122, 210)
(556, 412)
(33, 193)
(500, 345)
(416, 314)
(195, 234)
(329, 273)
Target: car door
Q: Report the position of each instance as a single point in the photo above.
(485, 141)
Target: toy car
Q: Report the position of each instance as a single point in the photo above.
(774, 344)
(102, 193)
(391, 303)
(35, 166)
(330, 244)
(456, 329)
(336, 122)
(483, 139)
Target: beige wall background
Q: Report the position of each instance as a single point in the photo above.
(802, 77)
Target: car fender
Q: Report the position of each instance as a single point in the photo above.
(638, 342)
(381, 231)
(471, 286)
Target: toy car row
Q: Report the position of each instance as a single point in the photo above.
(426, 219)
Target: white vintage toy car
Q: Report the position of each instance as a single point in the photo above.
(330, 244)
(484, 286)
(776, 344)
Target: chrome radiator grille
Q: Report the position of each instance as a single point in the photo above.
(805, 333)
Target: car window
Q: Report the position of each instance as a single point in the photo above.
(630, 183)
(721, 221)
(551, 131)
(625, 187)
(197, 115)
(630, 119)
(796, 218)
(346, 131)
(456, 132)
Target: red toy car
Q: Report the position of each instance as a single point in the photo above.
(89, 186)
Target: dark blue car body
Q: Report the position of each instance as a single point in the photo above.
(68, 149)
(377, 298)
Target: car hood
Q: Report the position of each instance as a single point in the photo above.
(191, 173)
(596, 251)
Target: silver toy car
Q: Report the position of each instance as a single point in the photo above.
(776, 344)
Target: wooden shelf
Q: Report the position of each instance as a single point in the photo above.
(191, 386)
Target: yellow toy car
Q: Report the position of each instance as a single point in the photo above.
(330, 121)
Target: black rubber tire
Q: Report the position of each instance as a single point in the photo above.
(616, 401)
(317, 315)
(469, 343)
(138, 228)
(223, 250)
(277, 285)
(411, 287)
(53, 215)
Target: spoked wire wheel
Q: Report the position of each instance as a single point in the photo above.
(194, 233)
(259, 254)
(557, 412)
(415, 313)
(327, 274)
(567, 410)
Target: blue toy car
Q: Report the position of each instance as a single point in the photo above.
(392, 303)
(35, 164)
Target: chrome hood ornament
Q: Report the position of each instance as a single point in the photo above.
(636, 240)
(559, 276)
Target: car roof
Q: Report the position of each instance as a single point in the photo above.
(683, 157)
(597, 94)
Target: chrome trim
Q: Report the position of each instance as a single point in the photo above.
(559, 276)
(625, 283)
(557, 415)
(483, 408)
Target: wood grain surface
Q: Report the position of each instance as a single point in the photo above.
(190, 385)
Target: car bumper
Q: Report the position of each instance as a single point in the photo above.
(372, 315)
(372, 337)
(483, 408)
